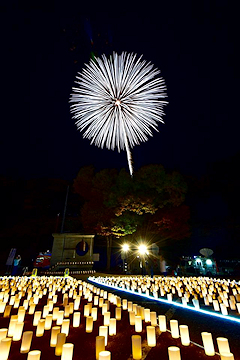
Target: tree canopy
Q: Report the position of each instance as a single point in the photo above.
(116, 204)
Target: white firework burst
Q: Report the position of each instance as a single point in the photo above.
(118, 101)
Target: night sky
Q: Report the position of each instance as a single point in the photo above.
(43, 45)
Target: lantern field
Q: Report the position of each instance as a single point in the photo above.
(48, 318)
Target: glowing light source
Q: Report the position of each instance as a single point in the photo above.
(142, 249)
(125, 247)
(118, 101)
(136, 347)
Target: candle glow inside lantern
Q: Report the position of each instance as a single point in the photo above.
(67, 351)
(60, 317)
(174, 329)
(136, 347)
(227, 356)
(100, 345)
(65, 326)
(223, 345)
(3, 333)
(118, 313)
(184, 333)
(208, 343)
(37, 317)
(147, 315)
(61, 339)
(26, 342)
(11, 326)
(112, 326)
(34, 355)
(5, 345)
(104, 355)
(131, 317)
(153, 318)
(138, 324)
(48, 322)
(89, 324)
(76, 319)
(40, 328)
(162, 323)
(103, 331)
(54, 332)
(17, 334)
(174, 353)
(106, 318)
(151, 336)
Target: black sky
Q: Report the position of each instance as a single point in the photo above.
(43, 45)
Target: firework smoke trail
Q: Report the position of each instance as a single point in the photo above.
(118, 101)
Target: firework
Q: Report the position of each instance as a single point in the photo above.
(118, 101)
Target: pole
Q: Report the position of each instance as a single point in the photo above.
(64, 210)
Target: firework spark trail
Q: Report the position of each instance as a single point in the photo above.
(118, 101)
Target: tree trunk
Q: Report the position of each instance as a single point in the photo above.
(109, 251)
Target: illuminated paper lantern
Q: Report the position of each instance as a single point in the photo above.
(31, 309)
(216, 305)
(65, 326)
(76, 319)
(208, 343)
(104, 308)
(100, 345)
(61, 339)
(101, 300)
(151, 336)
(67, 351)
(40, 328)
(67, 310)
(104, 355)
(129, 305)
(5, 345)
(95, 300)
(124, 304)
(89, 324)
(7, 311)
(131, 315)
(147, 315)
(223, 345)
(118, 313)
(112, 326)
(37, 317)
(12, 323)
(138, 323)
(3, 333)
(153, 318)
(103, 331)
(184, 334)
(223, 309)
(77, 303)
(106, 318)
(17, 334)
(174, 329)
(55, 313)
(26, 342)
(55, 331)
(174, 353)
(60, 317)
(162, 323)
(136, 347)
(48, 322)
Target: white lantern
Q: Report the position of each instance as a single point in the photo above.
(208, 343)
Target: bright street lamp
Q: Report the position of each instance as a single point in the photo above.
(142, 249)
(125, 247)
